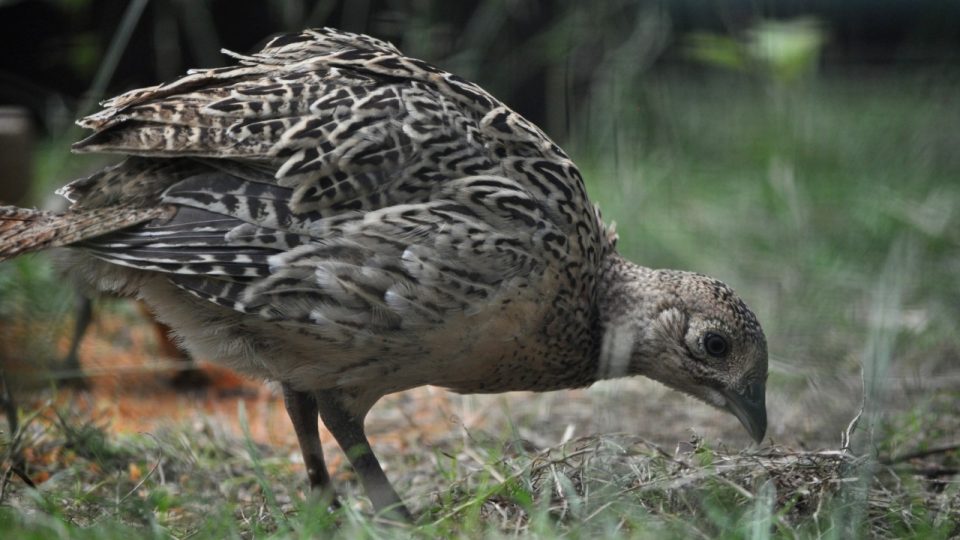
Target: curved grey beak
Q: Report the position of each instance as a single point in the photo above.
(750, 408)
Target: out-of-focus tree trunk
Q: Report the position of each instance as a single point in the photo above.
(16, 154)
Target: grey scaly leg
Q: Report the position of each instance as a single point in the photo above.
(348, 430)
(302, 409)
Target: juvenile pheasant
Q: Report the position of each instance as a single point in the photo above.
(351, 222)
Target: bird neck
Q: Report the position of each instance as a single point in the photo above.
(628, 299)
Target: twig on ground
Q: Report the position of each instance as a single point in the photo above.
(847, 436)
(22, 476)
(941, 449)
(11, 470)
(141, 482)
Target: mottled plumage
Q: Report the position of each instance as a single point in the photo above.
(352, 222)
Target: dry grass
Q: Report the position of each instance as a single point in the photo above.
(203, 479)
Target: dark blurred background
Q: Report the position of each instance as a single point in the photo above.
(520, 49)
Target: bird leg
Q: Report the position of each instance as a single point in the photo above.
(347, 429)
(302, 409)
(84, 315)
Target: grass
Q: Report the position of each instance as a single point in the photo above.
(830, 205)
(606, 485)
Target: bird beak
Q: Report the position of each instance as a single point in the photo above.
(750, 408)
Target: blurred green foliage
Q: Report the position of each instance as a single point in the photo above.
(784, 51)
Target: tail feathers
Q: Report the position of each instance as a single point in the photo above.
(23, 230)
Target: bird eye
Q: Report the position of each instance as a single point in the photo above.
(716, 345)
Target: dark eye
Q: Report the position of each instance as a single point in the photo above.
(716, 345)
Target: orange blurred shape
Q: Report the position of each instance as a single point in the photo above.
(40, 477)
(135, 472)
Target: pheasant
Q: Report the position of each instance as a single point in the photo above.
(352, 222)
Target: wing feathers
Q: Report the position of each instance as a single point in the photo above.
(332, 182)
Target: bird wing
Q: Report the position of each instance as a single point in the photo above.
(400, 267)
(347, 122)
(328, 180)
(410, 266)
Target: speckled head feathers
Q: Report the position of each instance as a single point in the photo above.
(690, 332)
